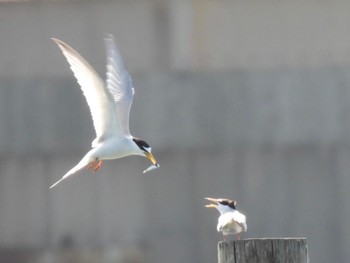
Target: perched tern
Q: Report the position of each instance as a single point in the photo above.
(109, 105)
(230, 221)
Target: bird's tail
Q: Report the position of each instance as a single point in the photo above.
(84, 162)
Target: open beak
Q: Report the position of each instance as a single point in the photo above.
(214, 201)
(151, 158)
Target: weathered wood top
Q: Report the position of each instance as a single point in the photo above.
(264, 250)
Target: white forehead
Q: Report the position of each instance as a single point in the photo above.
(148, 149)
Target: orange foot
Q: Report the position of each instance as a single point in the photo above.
(95, 165)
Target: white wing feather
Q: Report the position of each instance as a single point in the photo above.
(228, 218)
(119, 84)
(98, 97)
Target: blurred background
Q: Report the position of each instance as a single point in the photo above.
(248, 100)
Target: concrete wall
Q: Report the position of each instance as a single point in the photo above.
(245, 100)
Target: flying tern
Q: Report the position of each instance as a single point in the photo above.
(109, 104)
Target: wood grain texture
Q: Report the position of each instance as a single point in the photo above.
(264, 250)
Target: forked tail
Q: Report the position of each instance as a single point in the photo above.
(84, 162)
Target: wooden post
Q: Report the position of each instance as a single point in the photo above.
(264, 250)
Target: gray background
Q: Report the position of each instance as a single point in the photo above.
(247, 100)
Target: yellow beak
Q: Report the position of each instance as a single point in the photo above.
(211, 200)
(151, 158)
(210, 206)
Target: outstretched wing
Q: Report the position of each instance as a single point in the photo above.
(99, 99)
(119, 84)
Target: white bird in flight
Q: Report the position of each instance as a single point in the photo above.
(109, 105)
(230, 221)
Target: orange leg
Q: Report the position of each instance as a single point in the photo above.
(95, 165)
(237, 236)
(92, 165)
(98, 166)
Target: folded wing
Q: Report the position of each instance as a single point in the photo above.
(228, 219)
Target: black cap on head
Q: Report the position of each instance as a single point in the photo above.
(142, 144)
(228, 202)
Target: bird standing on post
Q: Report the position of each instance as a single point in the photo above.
(109, 105)
(230, 221)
